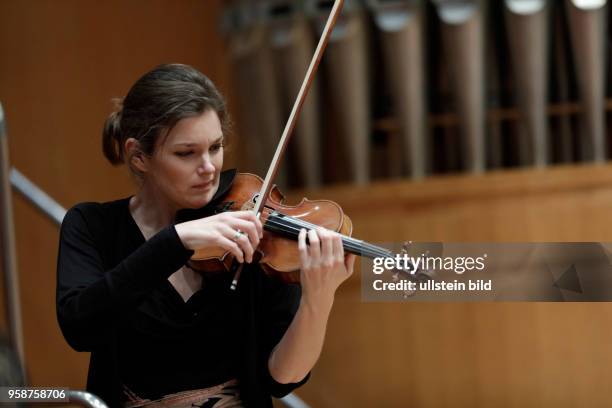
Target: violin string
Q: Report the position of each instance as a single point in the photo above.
(355, 247)
(360, 243)
(291, 221)
(291, 229)
(349, 247)
(363, 247)
(293, 232)
(287, 224)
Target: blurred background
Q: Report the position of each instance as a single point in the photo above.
(454, 121)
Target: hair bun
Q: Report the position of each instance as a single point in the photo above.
(111, 137)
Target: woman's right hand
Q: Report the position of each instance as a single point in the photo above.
(221, 230)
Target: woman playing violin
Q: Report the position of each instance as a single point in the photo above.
(160, 333)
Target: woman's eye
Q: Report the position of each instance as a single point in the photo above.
(216, 147)
(183, 154)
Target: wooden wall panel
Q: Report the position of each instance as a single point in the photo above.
(470, 354)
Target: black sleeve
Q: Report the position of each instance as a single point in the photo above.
(90, 300)
(282, 302)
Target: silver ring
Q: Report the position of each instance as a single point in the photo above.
(237, 235)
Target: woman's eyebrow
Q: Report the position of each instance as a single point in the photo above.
(189, 144)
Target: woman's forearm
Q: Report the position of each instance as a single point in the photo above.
(323, 267)
(300, 347)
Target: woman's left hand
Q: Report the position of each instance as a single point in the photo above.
(323, 264)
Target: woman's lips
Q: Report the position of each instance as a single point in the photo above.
(203, 185)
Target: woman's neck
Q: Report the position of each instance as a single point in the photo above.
(151, 211)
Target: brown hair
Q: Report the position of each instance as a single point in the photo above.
(155, 103)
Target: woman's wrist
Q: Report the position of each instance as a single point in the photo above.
(183, 232)
(321, 304)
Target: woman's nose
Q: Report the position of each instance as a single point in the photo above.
(206, 166)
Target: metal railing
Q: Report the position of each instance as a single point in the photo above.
(8, 251)
(41, 200)
(86, 399)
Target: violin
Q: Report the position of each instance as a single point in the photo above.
(277, 252)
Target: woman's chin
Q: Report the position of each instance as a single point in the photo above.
(198, 201)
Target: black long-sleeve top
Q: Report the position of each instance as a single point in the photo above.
(115, 301)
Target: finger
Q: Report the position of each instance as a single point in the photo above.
(314, 247)
(247, 248)
(232, 247)
(327, 246)
(259, 226)
(241, 241)
(248, 227)
(303, 248)
(338, 248)
(247, 216)
(252, 217)
(244, 214)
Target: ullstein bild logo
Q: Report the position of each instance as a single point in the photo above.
(405, 262)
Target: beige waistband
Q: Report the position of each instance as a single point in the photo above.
(226, 394)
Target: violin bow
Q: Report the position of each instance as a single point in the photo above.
(293, 117)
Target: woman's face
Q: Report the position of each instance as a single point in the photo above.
(185, 167)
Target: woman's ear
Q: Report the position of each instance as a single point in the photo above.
(136, 158)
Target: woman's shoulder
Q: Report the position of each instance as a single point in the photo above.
(94, 206)
(94, 214)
